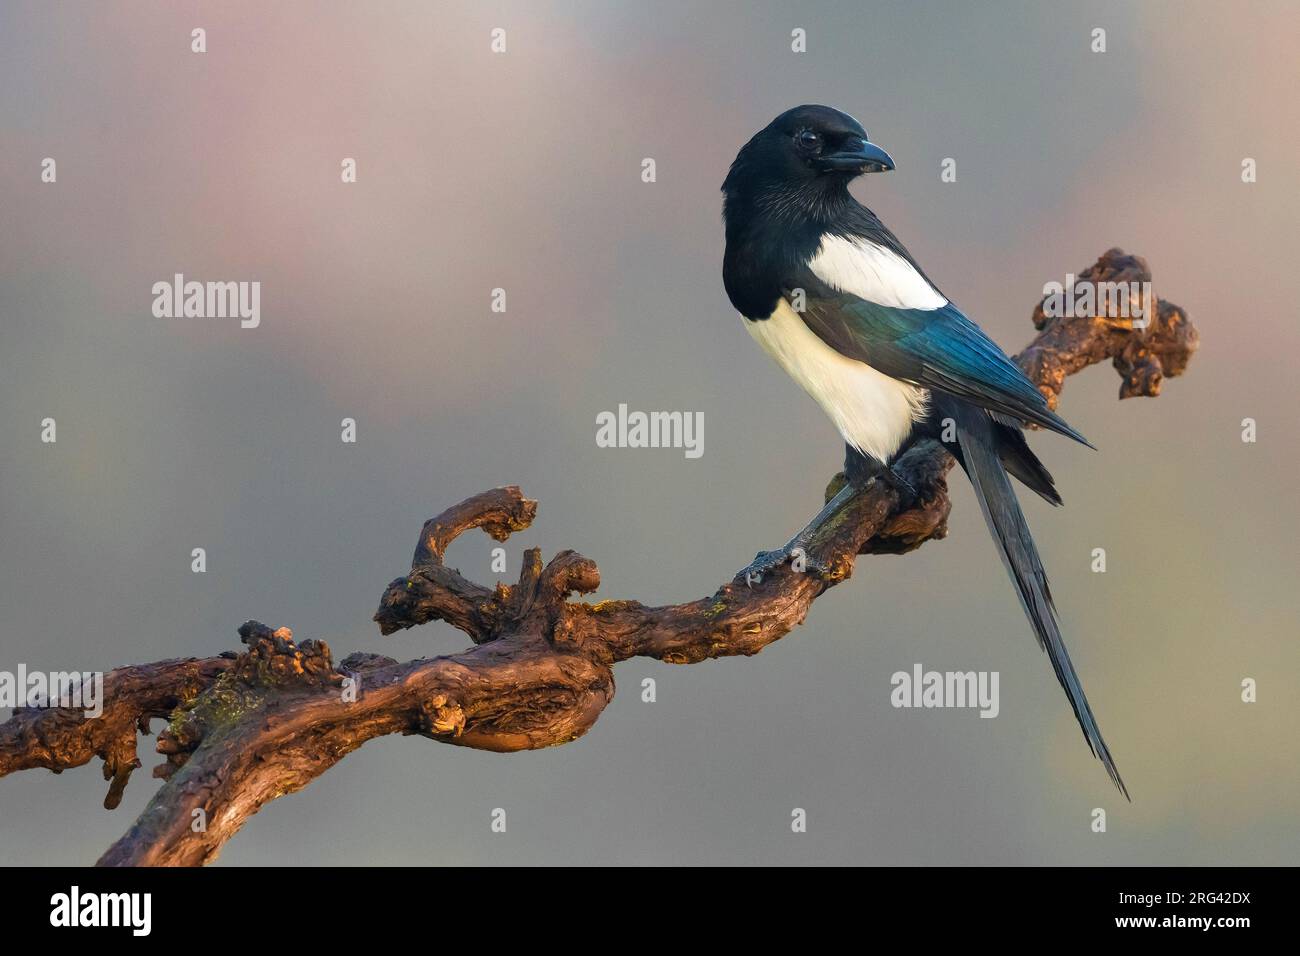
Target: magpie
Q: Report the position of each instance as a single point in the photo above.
(841, 305)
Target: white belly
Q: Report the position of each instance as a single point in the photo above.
(872, 411)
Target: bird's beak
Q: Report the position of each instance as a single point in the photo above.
(863, 157)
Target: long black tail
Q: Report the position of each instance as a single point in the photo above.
(988, 448)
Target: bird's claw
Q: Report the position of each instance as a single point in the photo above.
(903, 482)
(900, 484)
(865, 475)
(765, 562)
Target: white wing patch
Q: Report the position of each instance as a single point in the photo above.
(872, 411)
(874, 273)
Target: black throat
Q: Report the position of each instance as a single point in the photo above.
(772, 232)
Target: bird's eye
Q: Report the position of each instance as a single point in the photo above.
(808, 139)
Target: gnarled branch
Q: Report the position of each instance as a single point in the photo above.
(246, 729)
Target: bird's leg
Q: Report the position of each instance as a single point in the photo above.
(859, 469)
(796, 549)
(906, 492)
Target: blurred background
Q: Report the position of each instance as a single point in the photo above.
(522, 171)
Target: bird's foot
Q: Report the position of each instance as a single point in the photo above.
(765, 562)
(907, 493)
(863, 471)
(796, 551)
(900, 484)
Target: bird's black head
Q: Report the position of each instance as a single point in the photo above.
(801, 157)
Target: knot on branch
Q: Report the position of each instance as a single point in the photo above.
(567, 573)
(1164, 350)
(1110, 311)
(499, 512)
(540, 596)
(434, 592)
(272, 663)
(441, 716)
(274, 660)
(541, 698)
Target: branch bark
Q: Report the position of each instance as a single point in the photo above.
(245, 729)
